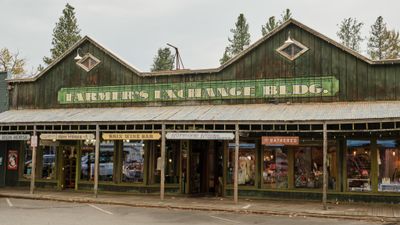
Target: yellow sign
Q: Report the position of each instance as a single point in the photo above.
(131, 136)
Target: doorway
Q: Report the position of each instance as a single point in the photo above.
(205, 169)
(69, 167)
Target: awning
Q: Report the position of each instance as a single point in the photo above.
(212, 113)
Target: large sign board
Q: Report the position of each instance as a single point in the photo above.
(280, 140)
(199, 136)
(207, 90)
(15, 137)
(67, 136)
(131, 136)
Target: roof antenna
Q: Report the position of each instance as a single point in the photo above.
(178, 59)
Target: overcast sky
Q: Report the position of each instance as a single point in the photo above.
(135, 29)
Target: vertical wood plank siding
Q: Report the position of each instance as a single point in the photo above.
(358, 80)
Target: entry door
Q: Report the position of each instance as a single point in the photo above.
(69, 167)
(195, 173)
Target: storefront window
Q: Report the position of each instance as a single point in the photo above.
(87, 163)
(359, 165)
(106, 161)
(308, 167)
(275, 167)
(133, 162)
(171, 163)
(247, 164)
(27, 162)
(389, 165)
(49, 162)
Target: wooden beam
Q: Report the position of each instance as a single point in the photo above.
(325, 166)
(96, 161)
(236, 166)
(33, 172)
(162, 180)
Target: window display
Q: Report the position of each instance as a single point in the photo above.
(106, 161)
(275, 167)
(247, 164)
(389, 165)
(133, 162)
(308, 169)
(27, 162)
(49, 162)
(87, 163)
(171, 162)
(359, 165)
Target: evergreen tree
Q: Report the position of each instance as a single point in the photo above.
(164, 60)
(65, 34)
(391, 49)
(240, 40)
(286, 15)
(377, 39)
(269, 26)
(350, 33)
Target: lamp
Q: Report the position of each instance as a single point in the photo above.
(78, 57)
(289, 40)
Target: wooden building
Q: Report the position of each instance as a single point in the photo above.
(291, 106)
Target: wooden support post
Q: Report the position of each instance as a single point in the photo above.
(325, 166)
(162, 180)
(236, 166)
(96, 161)
(33, 170)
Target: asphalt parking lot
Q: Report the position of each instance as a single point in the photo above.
(37, 212)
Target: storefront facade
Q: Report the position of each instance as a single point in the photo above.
(273, 109)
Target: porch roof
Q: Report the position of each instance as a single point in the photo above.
(309, 112)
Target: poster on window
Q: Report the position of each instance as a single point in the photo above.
(12, 163)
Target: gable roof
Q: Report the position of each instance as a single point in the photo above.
(212, 70)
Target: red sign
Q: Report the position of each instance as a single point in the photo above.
(280, 140)
(12, 162)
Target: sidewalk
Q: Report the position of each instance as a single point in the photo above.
(291, 208)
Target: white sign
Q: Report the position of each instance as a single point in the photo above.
(15, 137)
(67, 136)
(200, 136)
(34, 141)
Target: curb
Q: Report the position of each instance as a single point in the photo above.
(199, 208)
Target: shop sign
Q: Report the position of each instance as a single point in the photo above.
(67, 136)
(12, 162)
(14, 137)
(34, 141)
(280, 140)
(131, 136)
(243, 145)
(200, 136)
(209, 90)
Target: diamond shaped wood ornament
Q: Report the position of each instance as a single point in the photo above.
(88, 62)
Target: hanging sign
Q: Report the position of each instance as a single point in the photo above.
(14, 137)
(208, 90)
(67, 136)
(131, 136)
(34, 141)
(12, 162)
(200, 136)
(280, 140)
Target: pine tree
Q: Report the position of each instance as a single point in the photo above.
(269, 26)
(65, 34)
(286, 15)
(377, 38)
(350, 33)
(240, 40)
(391, 46)
(164, 60)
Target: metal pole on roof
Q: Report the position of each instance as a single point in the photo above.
(96, 161)
(162, 180)
(325, 166)
(33, 172)
(236, 166)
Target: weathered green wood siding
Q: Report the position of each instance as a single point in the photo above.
(358, 80)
